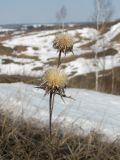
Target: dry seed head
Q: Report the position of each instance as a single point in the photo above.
(54, 77)
(63, 43)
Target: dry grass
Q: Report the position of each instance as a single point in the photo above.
(87, 81)
(4, 78)
(117, 38)
(107, 52)
(20, 48)
(24, 140)
(6, 37)
(37, 68)
(88, 44)
(9, 61)
(36, 58)
(35, 48)
(77, 35)
(7, 51)
(87, 55)
(54, 61)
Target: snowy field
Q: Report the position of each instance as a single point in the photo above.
(40, 44)
(89, 110)
(2, 30)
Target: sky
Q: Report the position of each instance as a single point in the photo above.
(44, 11)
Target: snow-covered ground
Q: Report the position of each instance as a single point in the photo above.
(40, 44)
(89, 110)
(6, 30)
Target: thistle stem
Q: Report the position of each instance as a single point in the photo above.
(59, 59)
(53, 96)
(51, 104)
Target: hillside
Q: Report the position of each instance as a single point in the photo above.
(27, 53)
(90, 109)
(85, 125)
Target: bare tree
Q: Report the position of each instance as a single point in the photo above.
(113, 75)
(61, 15)
(103, 11)
(58, 16)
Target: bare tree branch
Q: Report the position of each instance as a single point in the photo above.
(103, 11)
(61, 15)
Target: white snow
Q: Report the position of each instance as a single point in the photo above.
(104, 41)
(89, 33)
(21, 69)
(79, 67)
(82, 66)
(6, 29)
(89, 110)
(114, 30)
(34, 39)
(43, 41)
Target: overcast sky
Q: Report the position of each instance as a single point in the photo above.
(43, 11)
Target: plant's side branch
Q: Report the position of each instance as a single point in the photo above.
(63, 95)
(59, 59)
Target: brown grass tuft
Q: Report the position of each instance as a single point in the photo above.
(20, 48)
(24, 140)
(116, 38)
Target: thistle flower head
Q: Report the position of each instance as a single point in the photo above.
(55, 78)
(63, 43)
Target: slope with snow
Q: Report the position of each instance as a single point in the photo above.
(89, 110)
(43, 42)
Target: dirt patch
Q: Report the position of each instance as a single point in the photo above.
(83, 81)
(77, 35)
(5, 50)
(20, 48)
(35, 48)
(88, 45)
(24, 56)
(17, 78)
(87, 55)
(9, 61)
(108, 52)
(87, 81)
(37, 68)
(5, 37)
(116, 38)
(66, 59)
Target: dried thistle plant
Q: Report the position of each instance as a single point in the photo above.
(64, 44)
(54, 82)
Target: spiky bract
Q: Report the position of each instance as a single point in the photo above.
(54, 79)
(63, 43)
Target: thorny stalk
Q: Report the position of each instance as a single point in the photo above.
(51, 104)
(59, 59)
(54, 81)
